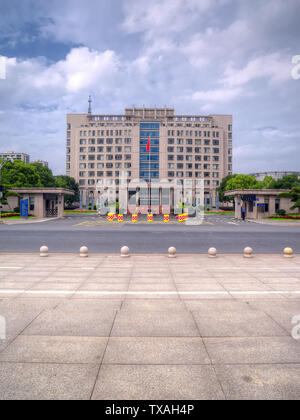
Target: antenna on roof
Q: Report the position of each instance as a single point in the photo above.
(90, 105)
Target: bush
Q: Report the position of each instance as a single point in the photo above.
(281, 212)
(90, 206)
(207, 208)
(95, 207)
(17, 210)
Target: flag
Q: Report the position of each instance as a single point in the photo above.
(148, 145)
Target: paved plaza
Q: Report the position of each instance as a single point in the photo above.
(149, 327)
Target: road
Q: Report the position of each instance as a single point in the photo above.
(222, 232)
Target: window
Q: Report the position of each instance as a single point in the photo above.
(198, 174)
(82, 173)
(91, 173)
(189, 141)
(91, 157)
(216, 142)
(127, 157)
(100, 157)
(109, 141)
(170, 157)
(127, 165)
(198, 141)
(197, 165)
(92, 150)
(179, 149)
(118, 157)
(109, 149)
(82, 157)
(189, 174)
(118, 165)
(170, 141)
(109, 165)
(216, 150)
(118, 141)
(179, 157)
(127, 149)
(189, 157)
(91, 182)
(206, 149)
(91, 165)
(82, 182)
(179, 165)
(82, 149)
(109, 157)
(171, 149)
(118, 149)
(82, 141)
(171, 165)
(92, 141)
(170, 173)
(179, 174)
(127, 141)
(100, 165)
(179, 141)
(189, 150)
(100, 141)
(82, 165)
(109, 173)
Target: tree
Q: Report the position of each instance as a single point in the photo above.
(286, 182)
(46, 175)
(241, 182)
(64, 181)
(222, 188)
(294, 196)
(18, 174)
(267, 183)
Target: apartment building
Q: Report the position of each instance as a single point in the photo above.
(189, 147)
(15, 156)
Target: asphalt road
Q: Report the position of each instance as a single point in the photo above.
(228, 236)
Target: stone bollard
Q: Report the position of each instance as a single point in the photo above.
(125, 252)
(288, 252)
(248, 252)
(212, 253)
(84, 252)
(44, 251)
(172, 252)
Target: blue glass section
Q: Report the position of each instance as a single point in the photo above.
(149, 133)
(143, 149)
(153, 174)
(149, 126)
(153, 142)
(145, 165)
(152, 157)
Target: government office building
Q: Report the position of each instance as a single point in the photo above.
(184, 147)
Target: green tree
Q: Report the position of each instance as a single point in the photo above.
(267, 183)
(46, 175)
(18, 174)
(294, 196)
(241, 182)
(286, 182)
(222, 188)
(64, 181)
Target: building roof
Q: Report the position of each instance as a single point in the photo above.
(254, 192)
(42, 190)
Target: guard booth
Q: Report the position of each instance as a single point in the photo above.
(44, 202)
(259, 203)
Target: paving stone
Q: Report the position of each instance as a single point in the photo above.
(43, 349)
(156, 350)
(26, 381)
(260, 382)
(117, 382)
(240, 350)
(154, 324)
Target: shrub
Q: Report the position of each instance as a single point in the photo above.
(17, 210)
(281, 212)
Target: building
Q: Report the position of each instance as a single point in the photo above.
(15, 156)
(42, 162)
(259, 203)
(42, 202)
(189, 147)
(260, 176)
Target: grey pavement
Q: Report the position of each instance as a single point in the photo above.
(223, 232)
(149, 327)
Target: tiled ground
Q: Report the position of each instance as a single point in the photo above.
(149, 327)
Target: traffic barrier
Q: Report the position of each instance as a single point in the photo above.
(44, 251)
(172, 252)
(212, 253)
(120, 218)
(248, 252)
(84, 252)
(110, 217)
(288, 252)
(166, 218)
(150, 218)
(134, 218)
(125, 252)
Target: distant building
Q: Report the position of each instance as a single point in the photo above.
(15, 156)
(42, 162)
(260, 176)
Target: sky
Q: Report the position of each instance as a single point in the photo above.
(198, 56)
